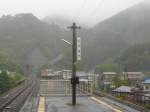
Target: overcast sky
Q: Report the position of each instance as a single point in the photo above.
(86, 11)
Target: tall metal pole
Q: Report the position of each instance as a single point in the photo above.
(74, 59)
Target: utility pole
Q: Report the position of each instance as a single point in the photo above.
(126, 72)
(74, 79)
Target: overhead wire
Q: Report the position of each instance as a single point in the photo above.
(94, 11)
(78, 13)
(99, 5)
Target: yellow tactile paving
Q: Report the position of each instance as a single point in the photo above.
(41, 107)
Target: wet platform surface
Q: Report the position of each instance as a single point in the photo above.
(84, 104)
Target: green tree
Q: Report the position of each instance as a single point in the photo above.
(136, 58)
(80, 65)
(118, 82)
(8, 63)
(107, 68)
(5, 83)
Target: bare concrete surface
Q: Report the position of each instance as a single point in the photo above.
(84, 104)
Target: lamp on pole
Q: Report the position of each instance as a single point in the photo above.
(67, 42)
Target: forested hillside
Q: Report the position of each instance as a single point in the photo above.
(111, 37)
(29, 40)
(21, 34)
(136, 58)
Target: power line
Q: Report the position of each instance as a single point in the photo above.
(78, 13)
(81, 9)
(98, 6)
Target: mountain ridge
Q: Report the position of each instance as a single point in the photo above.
(21, 33)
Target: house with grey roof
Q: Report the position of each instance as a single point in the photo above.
(146, 84)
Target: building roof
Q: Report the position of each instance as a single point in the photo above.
(64, 70)
(123, 89)
(146, 91)
(133, 73)
(111, 73)
(146, 81)
(85, 80)
(81, 74)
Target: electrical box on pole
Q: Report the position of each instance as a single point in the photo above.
(78, 48)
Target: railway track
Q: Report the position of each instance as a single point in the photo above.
(15, 99)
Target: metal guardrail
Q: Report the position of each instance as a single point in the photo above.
(63, 88)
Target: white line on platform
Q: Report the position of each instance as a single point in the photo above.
(104, 103)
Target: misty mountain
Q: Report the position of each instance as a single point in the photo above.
(21, 34)
(58, 20)
(132, 25)
(136, 58)
(63, 22)
(111, 37)
(24, 36)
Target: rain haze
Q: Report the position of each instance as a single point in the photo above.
(87, 12)
(74, 55)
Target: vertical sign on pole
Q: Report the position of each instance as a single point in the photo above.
(78, 48)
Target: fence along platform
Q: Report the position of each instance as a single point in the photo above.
(64, 88)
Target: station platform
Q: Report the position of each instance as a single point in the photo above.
(84, 104)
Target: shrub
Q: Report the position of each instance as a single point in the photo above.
(5, 82)
(147, 106)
